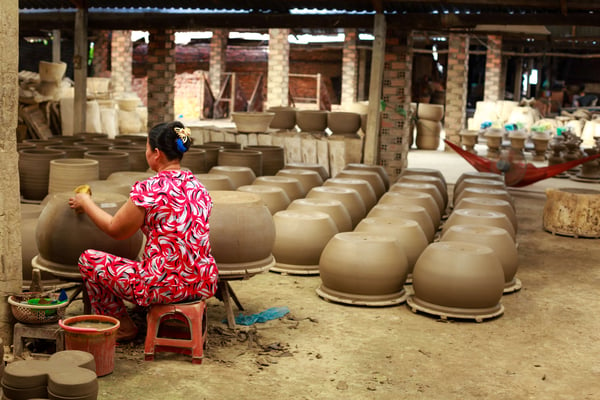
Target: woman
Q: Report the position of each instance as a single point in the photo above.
(172, 208)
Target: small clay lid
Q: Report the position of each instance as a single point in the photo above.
(25, 374)
(75, 358)
(72, 382)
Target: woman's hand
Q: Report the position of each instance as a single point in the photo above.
(77, 202)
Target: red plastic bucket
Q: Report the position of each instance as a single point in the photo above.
(95, 334)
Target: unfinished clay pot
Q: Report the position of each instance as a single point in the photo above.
(51, 71)
(420, 179)
(408, 211)
(225, 144)
(285, 118)
(468, 216)
(109, 161)
(359, 268)
(427, 188)
(241, 158)
(44, 143)
(34, 171)
(272, 158)
(195, 160)
(499, 194)
(29, 218)
(248, 121)
(478, 183)
(477, 175)
(70, 151)
(363, 187)
(375, 168)
(343, 122)
(212, 154)
(137, 156)
(431, 112)
(458, 279)
(292, 186)
(498, 240)
(424, 200)
(216, 181)
(274, 197)
(300, 237)
(105, 186)
(428, 134)
(424, 171)
(308, 178)
(311, 120)
(62, 235)
(408, 232)
(242, 234)
(490, 204)
(334, 208)
(239, 175)
(68, 173)
(372, 177)
(313, 167)
(349, 198)
(129, 177)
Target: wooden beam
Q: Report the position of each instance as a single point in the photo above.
(80, 55)
(371, 154)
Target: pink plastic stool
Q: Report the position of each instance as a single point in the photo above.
(165, 333)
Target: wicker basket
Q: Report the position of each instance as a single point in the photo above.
(33, 313)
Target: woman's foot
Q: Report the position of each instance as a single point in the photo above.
(127, 331)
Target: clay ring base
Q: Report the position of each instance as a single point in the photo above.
(444, 313)
(293, 269)
(244, 270)
(362, 300)
(513, 286)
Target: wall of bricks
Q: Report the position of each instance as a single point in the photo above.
(217, 60)
(161, 76)
(456, 86)
(349, 67)
(121, 61)
(396, 94)
(101, 60)
(493, 69)
(278, 68)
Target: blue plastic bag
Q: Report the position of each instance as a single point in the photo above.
(263, 316)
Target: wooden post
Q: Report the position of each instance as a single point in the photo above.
(377, 65)
(318, 91)
(518, 79)
(80, 56)
(56, 45)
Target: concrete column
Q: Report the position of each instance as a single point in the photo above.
(100, 60)
(456, 86)
(278, 74)
(10, 208)
(218, 59)
(161, 76)
(121, 61)
(349, 68)
(396, 94)
(493, 68)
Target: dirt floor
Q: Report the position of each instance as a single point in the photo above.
(545, 346)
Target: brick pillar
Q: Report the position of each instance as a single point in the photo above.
(10, 208)
(121, 61)
(349, 67)
(218, 59)
(493, 68)
(161, 76)
(395, 119)
(279, 68)
(456, 86)
(100, 66)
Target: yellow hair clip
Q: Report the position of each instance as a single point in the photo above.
(183, 133)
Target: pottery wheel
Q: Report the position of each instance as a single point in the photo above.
(444, 313)
(291, 269)
(515, 286)
(358, 300)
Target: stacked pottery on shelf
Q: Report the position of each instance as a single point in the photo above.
(344, 123)
(284, 118)
(312, 121)
(429, 125)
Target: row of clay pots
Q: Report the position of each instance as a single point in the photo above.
(338, 122)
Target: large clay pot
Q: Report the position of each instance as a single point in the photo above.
(129, 177)
(313, 167)
(419, 179)
(311, 120)
(292, 186)
(273, 158)
(274, 197)
(226, 145)
(428, 188)
(424, 200)
(89, 136)
(95, 145)
(212, 154)
(372, 177)
(343, 123)
(487, 193)
(248, 122)
(424, 171)
(308, 178)
(285, 118)
(239, 175)
(431, 112)
(70, 151)
(466, 216)
(43, 143)
(214, 181)
(51, 71)
(364, 189)
(300, 237)
(137, 156)
(194, 160)
(408, 211)
(490, 204)
(458, 279)
(110, 161)
(62, 234)
(498, 240)
(476, 175)
(408, 232)
(428, 134)
(34, 171)
(242, 158)
(106, 186)
(242, 234)
(29, 217)
(136, 138)
(374, 168)
(478, 183)
(68, 173)
(349, 198)
(334, 208)
(359, 268)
